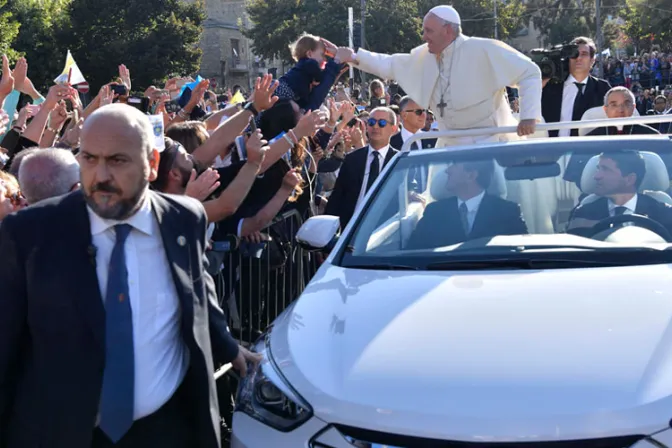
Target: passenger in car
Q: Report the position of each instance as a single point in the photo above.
(619, 102)
(471, 213)
(617, 181)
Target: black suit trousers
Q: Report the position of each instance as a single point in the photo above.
(171, 426)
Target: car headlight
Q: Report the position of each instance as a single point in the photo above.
(267, 397)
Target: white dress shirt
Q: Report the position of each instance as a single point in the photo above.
(472, 208)
(161, 357)
(631, 206)
(381, 154)
(569, 92)
(406, 134)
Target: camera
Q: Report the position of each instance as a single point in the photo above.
(554, 63)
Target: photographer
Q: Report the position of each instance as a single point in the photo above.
(569, 100)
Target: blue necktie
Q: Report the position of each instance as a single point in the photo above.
(117, 398)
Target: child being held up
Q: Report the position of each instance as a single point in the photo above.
(311, 70)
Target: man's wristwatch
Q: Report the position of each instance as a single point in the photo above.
(250, 108)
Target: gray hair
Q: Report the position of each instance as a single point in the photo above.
(131, 117)
(48, 173)
(16, 161)
(388, 111)
(619, 89)
(404, 102)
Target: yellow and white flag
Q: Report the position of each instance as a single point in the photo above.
(76, 76)
(237, 98)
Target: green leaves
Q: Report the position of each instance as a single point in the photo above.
(152, 37)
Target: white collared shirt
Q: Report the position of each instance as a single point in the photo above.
(381, 154)
(569, 93)
(161, 357)
(631, 206)
(472, 207)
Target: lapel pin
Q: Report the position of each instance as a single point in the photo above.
(182, 241)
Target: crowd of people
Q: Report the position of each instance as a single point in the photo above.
(85, 180)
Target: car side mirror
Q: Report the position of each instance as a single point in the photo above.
(319, 233)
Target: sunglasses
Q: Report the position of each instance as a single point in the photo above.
(372, 122)
(417, 112)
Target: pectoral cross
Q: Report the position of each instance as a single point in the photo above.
(442, 106)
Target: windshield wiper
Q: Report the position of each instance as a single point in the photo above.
(383, 267)
(518, 263)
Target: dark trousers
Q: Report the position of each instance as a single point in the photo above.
(171, 426)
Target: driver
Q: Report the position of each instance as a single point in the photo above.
(470, 213)
(617, 180)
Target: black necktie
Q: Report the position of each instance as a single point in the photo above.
(374, 170)
(464, 211)
(577, 111)
(620, 210)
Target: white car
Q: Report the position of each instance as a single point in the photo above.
(407, 337)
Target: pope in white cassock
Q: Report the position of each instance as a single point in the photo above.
(462, 79)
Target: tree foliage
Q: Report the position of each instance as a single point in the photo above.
(648, 23)
(478, 16)
(9, 29)
(42, 24)
(153, 38)
(559, 21)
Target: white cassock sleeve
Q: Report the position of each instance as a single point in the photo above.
(385, 66)
(512, 68)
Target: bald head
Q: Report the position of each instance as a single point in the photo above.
(120, 121)
(48, 173)
(117, 160)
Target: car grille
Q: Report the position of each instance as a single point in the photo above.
(364, 438)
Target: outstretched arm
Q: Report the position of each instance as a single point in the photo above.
(385, 66)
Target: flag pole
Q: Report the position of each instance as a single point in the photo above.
(351, 45)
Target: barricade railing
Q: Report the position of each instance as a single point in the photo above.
(258, 280)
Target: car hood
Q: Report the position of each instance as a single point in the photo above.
(568, 353)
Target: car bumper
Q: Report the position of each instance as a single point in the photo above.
(249, 433)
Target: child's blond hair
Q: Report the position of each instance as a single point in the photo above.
(305, 43)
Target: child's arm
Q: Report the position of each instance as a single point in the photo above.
(320, 92)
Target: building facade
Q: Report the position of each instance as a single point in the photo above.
(227, 54)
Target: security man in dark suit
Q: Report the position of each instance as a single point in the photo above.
(109, 325)
(568, 101)
(472, 213)
(362, 166)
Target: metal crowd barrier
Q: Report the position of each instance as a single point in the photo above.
(258, 281)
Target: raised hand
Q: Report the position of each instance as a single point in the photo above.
(256, 148)
(56, 94)
(202, 186)
(125, 76)
(20, 74)
(58, 116)
(309, 123)
(106, 96)
(291, 180)
(198, 93)
(264, 88)
(7, 80)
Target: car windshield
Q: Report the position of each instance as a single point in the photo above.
(557, 203)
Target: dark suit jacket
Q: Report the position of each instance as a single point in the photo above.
(343, 199)
(599, 210)
(577, 162)
(441, 224)
(551, 99)
(52, 322)
(397, 142)
(663, 128)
